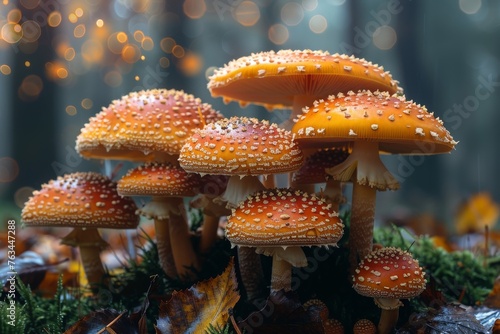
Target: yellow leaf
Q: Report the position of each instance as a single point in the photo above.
(205, 303)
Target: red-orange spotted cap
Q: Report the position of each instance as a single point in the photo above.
(83, 199)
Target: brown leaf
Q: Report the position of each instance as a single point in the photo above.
(283, 313)
(109, 319)
(205, 303)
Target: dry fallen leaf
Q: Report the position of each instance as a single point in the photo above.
(104, 321)
(205, 303)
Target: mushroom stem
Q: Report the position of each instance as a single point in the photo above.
(368, 174)
(164, 247)
(183, 252)
(269, 181)
(388, 319)
(281, 276)
(208, 232)
(362, 221)
(333, 192)
(90, 245)
(252, 276)
(299, 102)
(92, 265)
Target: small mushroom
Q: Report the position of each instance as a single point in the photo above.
(86, 202)
(364, 326)
(167, 185)
(278, 222)
(389, 274)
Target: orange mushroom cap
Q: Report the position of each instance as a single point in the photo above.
(284, 217)
(241, 146)
(142, 124)
(364, 326)
(400, 126)
(273, 78)
(80, 200)
(156, 179)
(389, 273)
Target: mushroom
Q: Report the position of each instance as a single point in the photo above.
(150, 125)
(242, 148)
(389, 274)
(167, 184)
(295, 79)
(369, 122)
(333, 326)
(317, 306)
(278, 222)
(364, 326)
(313, 171)
(86, 202)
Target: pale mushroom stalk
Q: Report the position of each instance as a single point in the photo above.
(368, 173)
(185, 258)
(333, 191)
(90, 245)
(283, 261)
(209, 232)
(162, 232)
(299, 102)
(389, 314)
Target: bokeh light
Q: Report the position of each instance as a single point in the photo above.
(278, 34)
(22, 195)
(131, 53)
(178, 51)
(292, 13)
(14, 16)
(470, 6)
(11, 32)
(30, 4)
(99, 23)
(30, 87)
(318, 24)
(310, 5)
(87, 103)
(247, 13)
(79, 31)
(71, 110)
(5, 69)
(384, 37)
(9, 169)
(113, 78)
(147, 43)
(191, 64)
(194, 9)
(167, 44)
(54, 19)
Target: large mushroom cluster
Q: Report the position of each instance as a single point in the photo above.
(346, 111)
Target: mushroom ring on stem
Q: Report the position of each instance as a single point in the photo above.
(278, 222)
(370, 123)
(84, 201)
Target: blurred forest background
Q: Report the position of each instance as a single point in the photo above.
(61, 61)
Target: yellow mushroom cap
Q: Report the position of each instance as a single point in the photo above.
(284, 217)
(400, 126)
(157, 179)
(144, 123)
(389, 273)
(241, 146)
(273, 78)
(80, 200)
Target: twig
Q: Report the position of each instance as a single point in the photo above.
(233, 322)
